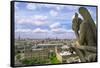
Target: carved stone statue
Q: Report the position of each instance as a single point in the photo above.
(76, 24)
(86, 46)
(88, 32)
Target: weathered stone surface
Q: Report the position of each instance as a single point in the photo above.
(76, 24)
(87, 40)
(87, 28)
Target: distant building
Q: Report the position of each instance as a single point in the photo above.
(41, 51)
(32, 49)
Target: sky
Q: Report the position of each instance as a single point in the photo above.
(40, 21)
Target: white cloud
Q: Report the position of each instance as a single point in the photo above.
(47, 5)
(91, 12)
(39, 23)
(59, 30)
(23, 30)
(53, 13)
(22, 20)
(70, 30)
(56, 7)
(38, 30)
(60, 7)
(55, 25)
(16, 5)
(37, 20)
(63, 30)
(78, 16)
(72, 7)
(31, 6)
(40, 17)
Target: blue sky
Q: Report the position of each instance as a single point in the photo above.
(39, 21)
